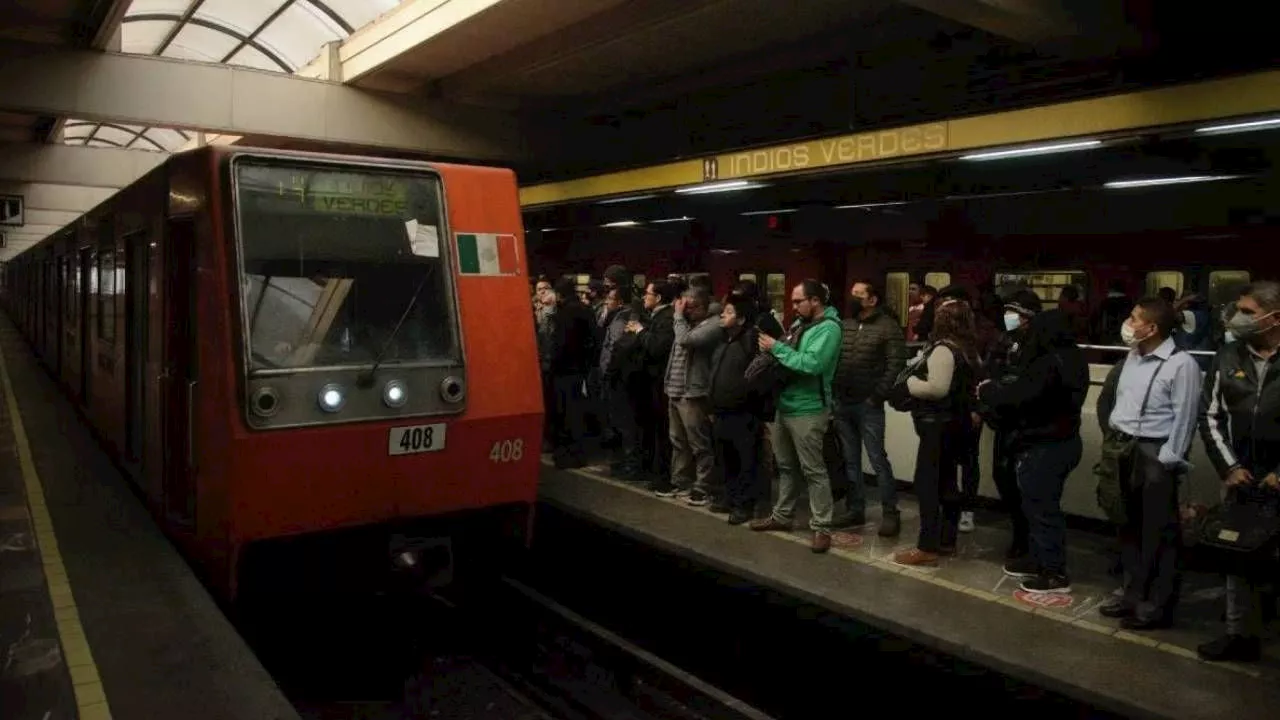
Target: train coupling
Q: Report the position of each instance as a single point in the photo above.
(428, 561)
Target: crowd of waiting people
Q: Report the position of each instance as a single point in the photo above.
(709, 400)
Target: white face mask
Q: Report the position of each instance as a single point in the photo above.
(1012, 321)
(1130, 337)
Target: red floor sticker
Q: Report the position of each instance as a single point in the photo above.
(1045, 601)
(846, 539)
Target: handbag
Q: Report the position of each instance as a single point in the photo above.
(1243, 532)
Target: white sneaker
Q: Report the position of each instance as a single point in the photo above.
(966, 522)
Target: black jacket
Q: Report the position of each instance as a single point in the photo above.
(1239, 424)
(872, 353)
(649, 350)
(1039, 397)
(730, 391)
(573, 341)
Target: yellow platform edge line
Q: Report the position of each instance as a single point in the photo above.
(70, 632)
(1211, 100)
(926, 577)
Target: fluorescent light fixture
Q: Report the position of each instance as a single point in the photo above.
(783, 211)
(864, 206)
(1241, 126)
(621, 223)
(1154, 182)
(715, 187)
(1033, 150)
(628, 198)
(684, 218)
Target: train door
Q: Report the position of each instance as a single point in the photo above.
(60, 313)
(136, 321)
(180, 373)
(86, 290)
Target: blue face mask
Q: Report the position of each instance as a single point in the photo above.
(1012, 321)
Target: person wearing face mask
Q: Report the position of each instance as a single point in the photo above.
(1148, 411)
(1001, 364)
(1240, 426)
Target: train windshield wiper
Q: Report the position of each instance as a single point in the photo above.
(366, 380)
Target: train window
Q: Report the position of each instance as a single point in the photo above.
(1162, 279)
(107, 294)
(777, 293)
(748, 276)
(640, 281)
(897, 287)
(938, 280)
(343, 266)
(1046, 284)
(1225, 286)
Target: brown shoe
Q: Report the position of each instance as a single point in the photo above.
(915, 557)
(821, 542)
(768, 524)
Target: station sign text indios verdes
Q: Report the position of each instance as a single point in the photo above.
(829, 152)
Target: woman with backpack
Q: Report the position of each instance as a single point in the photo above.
(937, 388)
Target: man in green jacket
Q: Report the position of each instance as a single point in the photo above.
(809, 352)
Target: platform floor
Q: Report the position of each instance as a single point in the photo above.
(966, 606)
(100, 617)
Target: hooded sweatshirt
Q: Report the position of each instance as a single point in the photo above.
(813, 364)
(1041, 395)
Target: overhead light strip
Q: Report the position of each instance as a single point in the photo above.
(864, 206)
(628, 198)
(685, 218)
(782, 211)
(715, 187)
(1155, 182)
(1033, 150)
(1246, 126)
(621, 223)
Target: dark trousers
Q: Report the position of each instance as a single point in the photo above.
(735, 437)
(1042, 470)
(1005, 474)
(970, 474)
(1151, 537)
(654, 427)
(936, 484)
(620, 416)
(568, 419)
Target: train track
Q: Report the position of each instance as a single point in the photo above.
(571, 668)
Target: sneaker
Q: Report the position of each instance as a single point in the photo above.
(737, 517)
(1047, 584)
(1232, 648)
(664, 490)
(1023, 567)
(966, 522)
(697, 498)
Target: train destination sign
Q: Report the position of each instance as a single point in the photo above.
(342, 193)
(829, 152)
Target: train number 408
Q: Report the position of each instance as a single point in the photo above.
(507, 451)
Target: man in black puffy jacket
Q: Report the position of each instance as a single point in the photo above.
(1240, 425)
(872, 353)
(1041, 401)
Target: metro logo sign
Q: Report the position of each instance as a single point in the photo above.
(12, 210)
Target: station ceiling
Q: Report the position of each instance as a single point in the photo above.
(555, 88)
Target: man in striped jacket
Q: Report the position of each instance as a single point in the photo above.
(1240, 425)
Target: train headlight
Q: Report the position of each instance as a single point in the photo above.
(452, 389)
(332, 398)
(265, 401)
(394, 394)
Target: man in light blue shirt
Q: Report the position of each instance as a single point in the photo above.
(1155, 403)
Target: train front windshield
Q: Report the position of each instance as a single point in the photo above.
(343, 266)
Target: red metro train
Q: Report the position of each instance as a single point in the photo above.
(306, 363)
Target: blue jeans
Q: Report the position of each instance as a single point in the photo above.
(858, 424)
(1042, 469)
